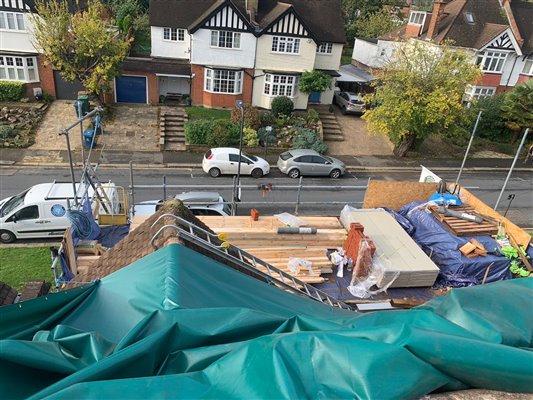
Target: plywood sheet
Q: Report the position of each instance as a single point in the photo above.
(396, 194)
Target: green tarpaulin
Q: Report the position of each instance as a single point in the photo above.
(177, 324)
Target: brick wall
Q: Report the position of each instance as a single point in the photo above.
(523, 79)
(489, 80)
(215, 100)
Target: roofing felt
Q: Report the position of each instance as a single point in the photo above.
(158, 65)
(523, 15)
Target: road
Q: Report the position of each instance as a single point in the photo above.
(485, 185)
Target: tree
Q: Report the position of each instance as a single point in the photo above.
(82, 45)
(314, 81)
(376, 24)
(518, 108)
(420, 93)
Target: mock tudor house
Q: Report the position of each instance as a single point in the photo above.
(498, 33)
(19, 61)
(249, 50)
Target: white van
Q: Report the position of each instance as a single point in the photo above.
(39, 212)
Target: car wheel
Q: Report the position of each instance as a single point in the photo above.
(214, 172)
(257, 173)
(7, 237)
(294, 173)
(343, 110)
(335, 174)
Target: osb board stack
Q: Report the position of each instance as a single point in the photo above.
(260, 238)
(396, 194)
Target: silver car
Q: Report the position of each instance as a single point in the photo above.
(350, 102)
(200, 203)
(308, 162)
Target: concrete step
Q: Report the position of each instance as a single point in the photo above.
(335, 131)
(175, 147)
(331, 126)
(174, 139)
(333, 138)
(173, 118)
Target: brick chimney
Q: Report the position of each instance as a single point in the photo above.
(251, 7)
(436, 16)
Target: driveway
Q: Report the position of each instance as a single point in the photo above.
(357, 140)
(131, 128)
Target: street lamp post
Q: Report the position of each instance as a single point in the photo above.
(268, 130)
(236, 196)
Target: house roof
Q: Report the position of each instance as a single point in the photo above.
(523, 15)
(157, 65)
(322, 17)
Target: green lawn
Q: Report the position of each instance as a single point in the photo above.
(19, 265)
(206, 113)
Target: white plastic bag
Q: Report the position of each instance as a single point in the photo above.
(360, 287)
(290, 220)
(295, 264)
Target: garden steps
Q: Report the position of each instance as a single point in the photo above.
(172, 129)
(331, 129)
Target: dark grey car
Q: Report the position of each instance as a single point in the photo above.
(308, 162)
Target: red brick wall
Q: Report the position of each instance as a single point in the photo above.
(215, 100)
(46, 79)
(522, 79)
(489, 80)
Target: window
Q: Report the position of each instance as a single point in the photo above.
(478, 92)
(528, 67)
(226, 39)
(174, 34)
(469, 17)
(325, 48)
(417, 18)
(31, 212)
(12, 21)
(223, 81)
(18, 68)
(319, 160)
(279, 85)
(304, 159)
(282, 44)
(491, 61)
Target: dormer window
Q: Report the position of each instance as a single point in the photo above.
(174, 34)
(469, 17)
(226, 39)
(12, 21)
(417, 18)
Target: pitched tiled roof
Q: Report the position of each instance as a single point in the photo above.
(177, 13)
(523, 15)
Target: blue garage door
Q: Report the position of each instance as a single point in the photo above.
(131, 89)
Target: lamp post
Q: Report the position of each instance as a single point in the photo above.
(236, 195)
(268, 130)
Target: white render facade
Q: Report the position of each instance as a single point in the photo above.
(170, 42)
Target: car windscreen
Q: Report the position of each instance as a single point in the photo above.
(328, 158)
(251, 157)
(13, 203)
(285, 156)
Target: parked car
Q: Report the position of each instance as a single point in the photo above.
(308, 162)
(225, 160)
(200, 203)
(350, 102)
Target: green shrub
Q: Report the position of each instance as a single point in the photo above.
(282, 105)
(251, 117)
(267, 119)
(250, 137)
(224, 133)
(197, 132)
(308, 139)
(492, 123)
(47, 97)
(11, 90)
(312, 116)
(263, 136)
(6, 131)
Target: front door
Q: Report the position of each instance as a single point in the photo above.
(314, 97)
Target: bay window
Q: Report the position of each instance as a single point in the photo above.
(223, 81)
(528, 67)
(226, 39)
(280, 85)
(18, 68)
(491, 61)
(478, 92)
(281, 44)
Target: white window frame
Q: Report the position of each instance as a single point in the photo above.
(173, 35)
(280, 85)
(417, 18)
(225, 40)
(478, 92)
(528, 67)
(325, 48)
(216, 79)
(18, 68)
(491, 61)
(285, 45)
(17, 21)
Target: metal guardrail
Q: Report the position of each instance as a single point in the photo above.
(255, 265)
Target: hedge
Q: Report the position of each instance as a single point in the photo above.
(197, 132)
(11, 90)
